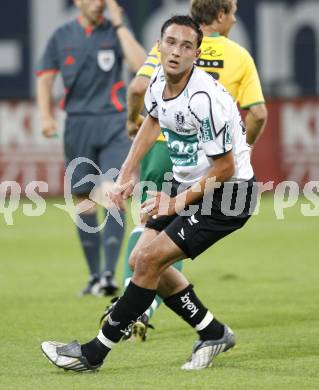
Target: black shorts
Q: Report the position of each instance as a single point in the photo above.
(223, 212)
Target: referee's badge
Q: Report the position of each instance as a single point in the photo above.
(106, 59)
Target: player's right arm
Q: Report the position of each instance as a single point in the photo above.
(44, 89)
(135, 104)
(47, 70)
(144, 140)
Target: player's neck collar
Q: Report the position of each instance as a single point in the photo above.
(214, 34)
(182, 90)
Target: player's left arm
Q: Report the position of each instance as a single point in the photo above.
(134, 53)
(158, 203)
(215, 125)
(251, 98)
(223, 169)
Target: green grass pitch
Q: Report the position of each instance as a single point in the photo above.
(263, 281)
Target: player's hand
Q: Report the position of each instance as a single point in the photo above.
(49, 127)
(133, 127)
(123, 188)
(115, 12)
(126, 181)
(116, 195)
(158, 204)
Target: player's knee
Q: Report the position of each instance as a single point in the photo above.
(146, 262)
(132, 259)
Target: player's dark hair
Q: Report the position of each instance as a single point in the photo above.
(206, 11)
(184, 20)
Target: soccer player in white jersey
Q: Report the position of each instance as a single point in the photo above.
(210, 196)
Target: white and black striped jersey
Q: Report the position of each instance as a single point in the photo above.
(201, 122)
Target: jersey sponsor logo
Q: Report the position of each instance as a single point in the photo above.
(216, 51)
(207, 133)
(210, 64)
(183, 149)
(106, 59)
(189, 305)
(211, 57)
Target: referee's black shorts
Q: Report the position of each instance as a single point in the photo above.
(222, 213)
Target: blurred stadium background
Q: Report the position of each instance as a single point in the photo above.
(282, 35)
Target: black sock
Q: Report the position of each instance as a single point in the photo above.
(190, 308)
(213, 331)
(94, 351)
(129, 307)
(134, 302)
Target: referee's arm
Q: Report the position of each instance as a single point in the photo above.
(134, 54)
(44, 87)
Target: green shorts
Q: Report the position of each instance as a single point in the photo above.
(154, 166)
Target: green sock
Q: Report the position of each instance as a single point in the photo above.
(134, 236)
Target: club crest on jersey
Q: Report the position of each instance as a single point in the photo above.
(179, 120)
(106, 59)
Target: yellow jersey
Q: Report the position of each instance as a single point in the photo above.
(228, 62)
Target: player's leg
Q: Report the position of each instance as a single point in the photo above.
(177, 292)
(152, 272)
(132, 241)
(152, 170)
(131, 305)
(112, 154)
(154, 166)
(154, 252)
(152, 260)
(158, 299)
(77, 145)
(201, 231)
